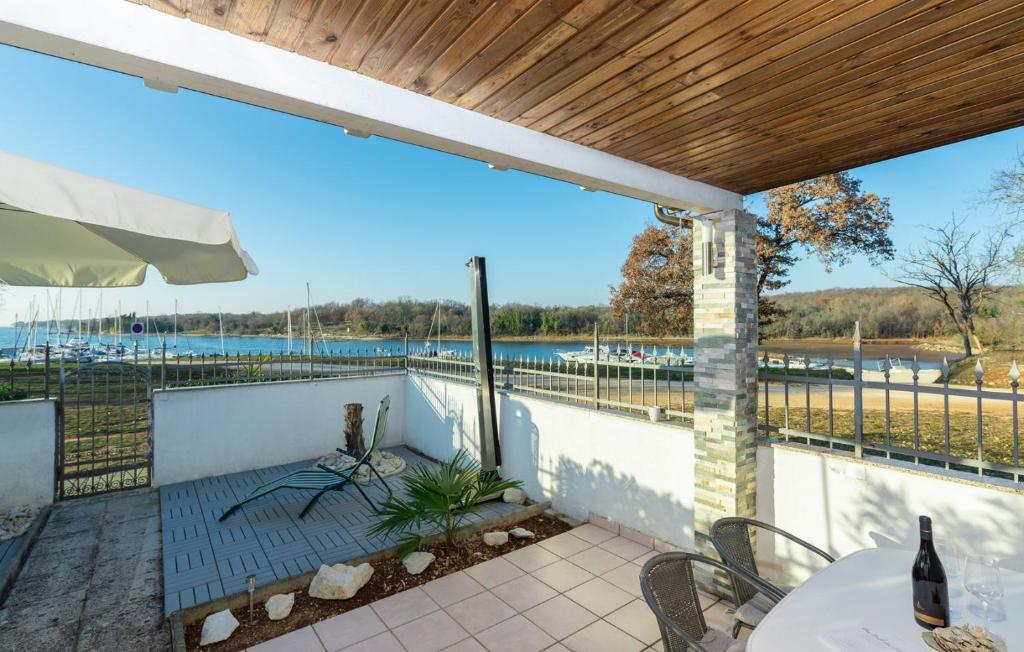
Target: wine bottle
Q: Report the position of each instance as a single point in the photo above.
(931, 593)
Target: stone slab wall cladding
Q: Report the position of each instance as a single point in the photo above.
(725, 373)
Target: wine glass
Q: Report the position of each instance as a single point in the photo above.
(953, 555)
(981, 578)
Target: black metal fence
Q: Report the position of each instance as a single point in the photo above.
(900, 412)
(41, 378)
(104, 416)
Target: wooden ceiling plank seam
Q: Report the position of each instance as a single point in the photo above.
(790, 57)
(654, 120)
(320, 38)
(505, 101)
(942, 123)
(212, 13)
(179, 8)
(480, 34)
(768, 178)
(890, 123)
(532, 52)
(537, 20)
(782, 99)
(784, 104)
(989, 90)
(631, 64)
(251, 18)
(288, 22)
(843, 81)
(404, 32)
(457, 17)
(609, 54)
(712, 22)
(372, 20)
(555, 39)
(713, 57)
(996, 67)
(1011, 120)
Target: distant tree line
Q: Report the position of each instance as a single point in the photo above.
(896, 313)
(893, 313)
(418, 319)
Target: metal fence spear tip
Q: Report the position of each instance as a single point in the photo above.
(945, 368)
(1014, 373)
(978, 372)
(856, 331)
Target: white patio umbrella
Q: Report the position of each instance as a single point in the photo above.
(64, 229)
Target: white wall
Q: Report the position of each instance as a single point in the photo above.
(206, 431)
(634, 472)
(842, 504)
(28, 432)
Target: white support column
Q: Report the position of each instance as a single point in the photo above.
(725, 374)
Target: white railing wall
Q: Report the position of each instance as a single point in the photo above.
(843, 504)
(634, 472)
(209, 431)
(586, 462)
(28, 431)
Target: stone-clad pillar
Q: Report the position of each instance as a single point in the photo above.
(725, 374)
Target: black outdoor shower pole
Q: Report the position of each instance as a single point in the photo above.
(490, 449)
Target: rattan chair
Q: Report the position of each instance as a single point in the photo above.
(755, 595)
(670, 589)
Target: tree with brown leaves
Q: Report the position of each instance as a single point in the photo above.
(657, 281)
(829, 217)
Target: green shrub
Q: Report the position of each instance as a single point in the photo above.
(442, 495)
(12, 394)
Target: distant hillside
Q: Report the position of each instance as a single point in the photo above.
(884, 313)
(892, 313)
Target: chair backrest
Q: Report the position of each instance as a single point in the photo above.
(380, 425)
(731, 539)
(670, 589)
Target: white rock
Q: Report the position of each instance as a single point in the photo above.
(496, 538)
(417, 562)
(218, 627)
(521, 533)
(339, 582)
(280, 605)
(517, 496)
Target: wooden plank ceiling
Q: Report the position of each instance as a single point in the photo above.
(743, 95)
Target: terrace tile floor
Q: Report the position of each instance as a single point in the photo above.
(204, 559)
(535, 598)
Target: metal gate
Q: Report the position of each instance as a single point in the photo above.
(104, 440)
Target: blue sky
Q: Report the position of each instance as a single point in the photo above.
(376, 218)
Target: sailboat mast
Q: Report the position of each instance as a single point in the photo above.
(99, 321)
(175, 324)
(289, 315)
(46, 340)
(309, 324)
(220, 319)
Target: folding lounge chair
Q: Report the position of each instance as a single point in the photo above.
(323, 478)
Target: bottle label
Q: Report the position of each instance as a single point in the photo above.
(931, 620)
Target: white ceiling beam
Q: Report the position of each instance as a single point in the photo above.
(172, 52)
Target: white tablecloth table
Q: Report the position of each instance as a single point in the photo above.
(872, 587)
